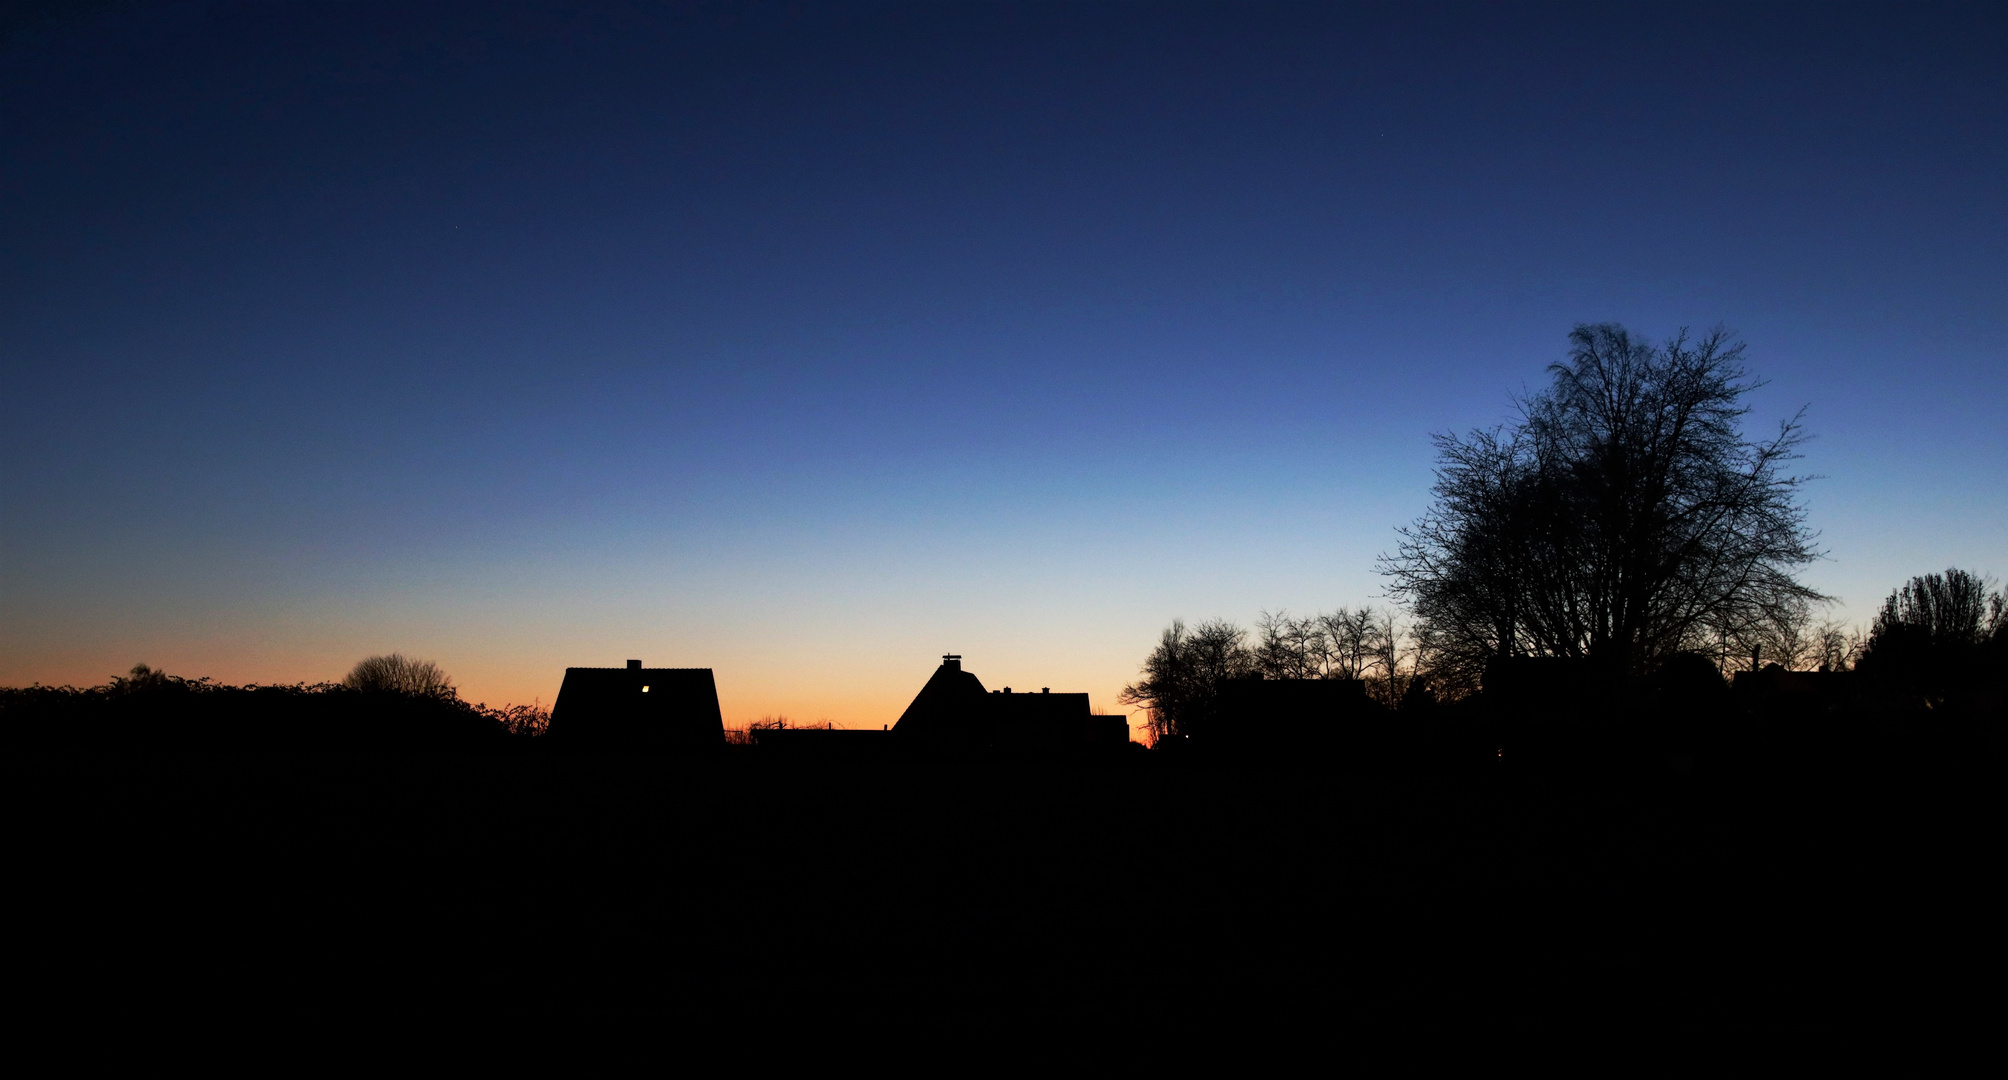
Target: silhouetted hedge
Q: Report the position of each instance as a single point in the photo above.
(151, 713)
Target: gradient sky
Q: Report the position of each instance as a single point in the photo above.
(809, 342)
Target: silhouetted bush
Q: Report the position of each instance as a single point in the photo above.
(398, 675)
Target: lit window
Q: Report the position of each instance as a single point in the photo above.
(644, 689)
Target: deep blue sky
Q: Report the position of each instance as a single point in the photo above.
(808, 342)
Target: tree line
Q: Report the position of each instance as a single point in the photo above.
(1182, 676)
(1623, 522)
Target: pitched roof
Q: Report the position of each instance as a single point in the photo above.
(946, 705)
(954, 710)
(637, 709)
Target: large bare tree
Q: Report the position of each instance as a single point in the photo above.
(1623, 518)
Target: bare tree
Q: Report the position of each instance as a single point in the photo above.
(1955, 608)
(1320, 659)
(1933, 634)
(397, 674)
(1623, 518)
(1351, 637)
(1341, 645)
(1181, 677)
(1835, 647)
(1287, 648)
(1392, 657)
(1781, 635)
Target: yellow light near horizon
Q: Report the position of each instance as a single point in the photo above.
(644, 689)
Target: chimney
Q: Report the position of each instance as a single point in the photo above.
(951, 661)
(634, 665)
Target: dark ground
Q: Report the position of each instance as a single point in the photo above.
(1141, 895)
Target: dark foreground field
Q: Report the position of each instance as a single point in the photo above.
(1144, 895)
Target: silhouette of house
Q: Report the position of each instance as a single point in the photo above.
(1308, 713)
(637, 710)
(954, 712)
(1773, 690)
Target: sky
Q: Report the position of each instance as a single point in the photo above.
(810, 342)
